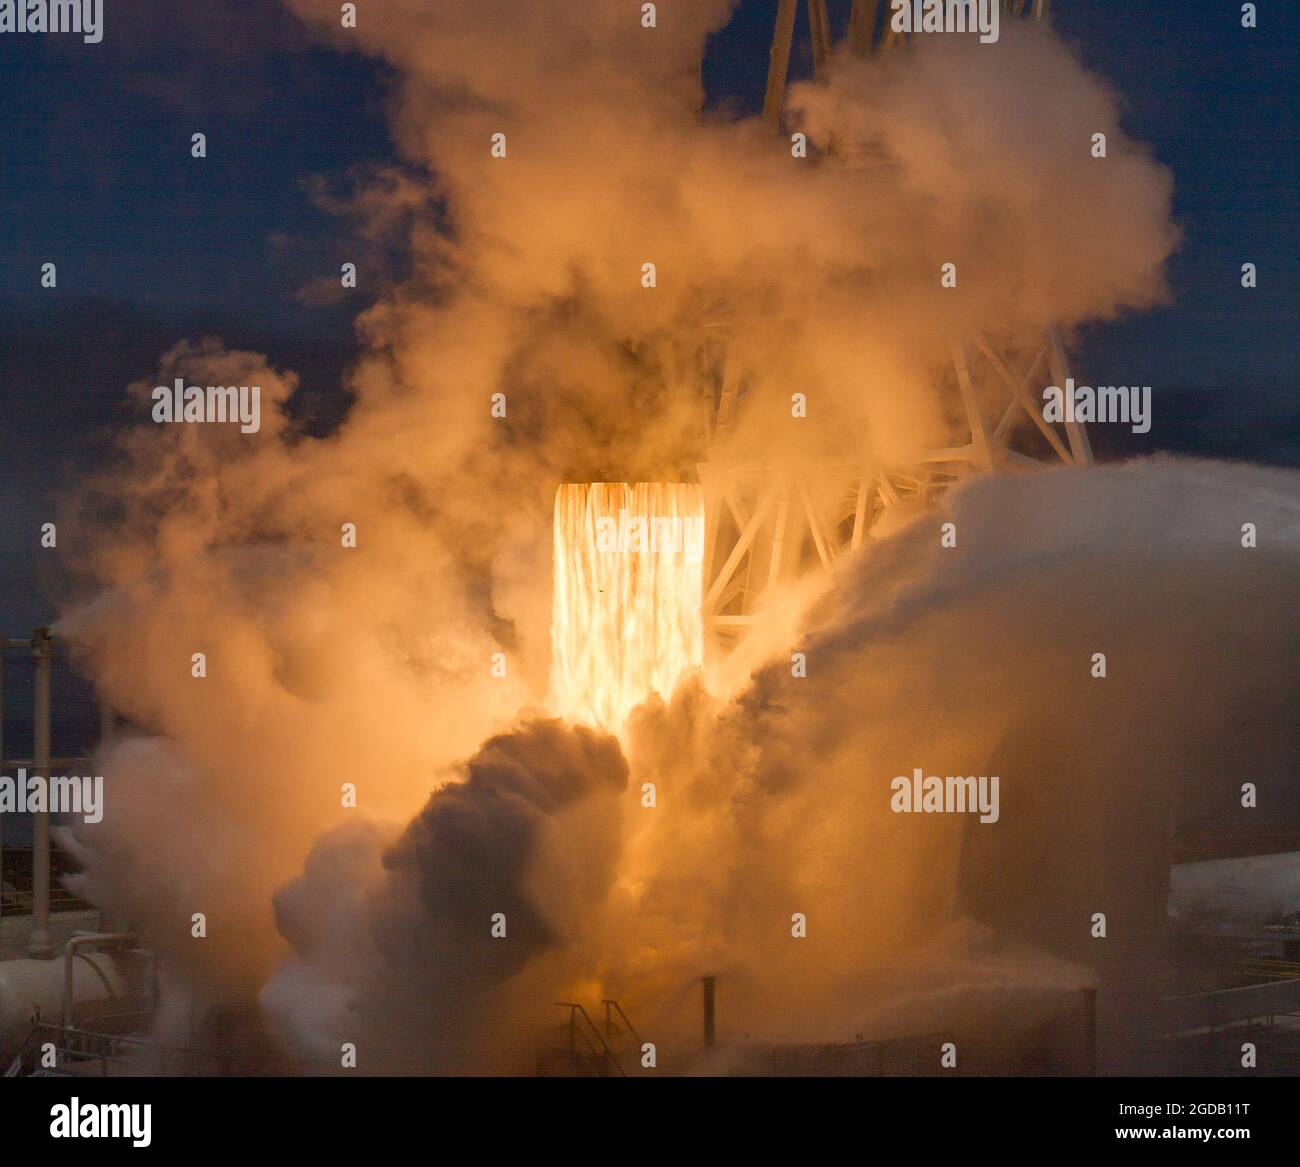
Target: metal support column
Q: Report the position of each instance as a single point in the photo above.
(862, 26)
(1080, 446)
(4, 644)
(819, 25)
(779, 63)
(39, 944)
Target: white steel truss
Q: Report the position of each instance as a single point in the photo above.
(770, 521)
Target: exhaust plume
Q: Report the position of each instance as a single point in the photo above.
(370, 665)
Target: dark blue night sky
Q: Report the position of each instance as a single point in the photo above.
(96, 176)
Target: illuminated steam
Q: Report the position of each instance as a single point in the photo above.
(373, 665)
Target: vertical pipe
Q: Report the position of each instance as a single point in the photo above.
(709, 1031)
(1090, 1030)
(39, 946)
(3, 645)
(107, 730)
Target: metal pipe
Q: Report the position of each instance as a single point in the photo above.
(710, 1033)
(4, 643)
(40, 945)
(69, 958)
(1090, 1030)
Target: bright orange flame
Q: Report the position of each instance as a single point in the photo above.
(626, 617)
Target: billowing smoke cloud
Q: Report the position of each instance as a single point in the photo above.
(971, 660)
(330, 667)
(824, 274)
(413, 966)
(978, 660)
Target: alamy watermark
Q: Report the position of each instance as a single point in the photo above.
(1128, 404)
(911, 16)
(216, 403)
(656, 534)
(949, 795)
(78, 16)
(58, 794)
(75, 1119)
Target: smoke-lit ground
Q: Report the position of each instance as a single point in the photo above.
(376, 665)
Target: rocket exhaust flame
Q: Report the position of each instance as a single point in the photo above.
(626, 616)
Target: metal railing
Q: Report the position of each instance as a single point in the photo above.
(613, 1032)
(1267, 970)
(595, 1051)
(81, 1051)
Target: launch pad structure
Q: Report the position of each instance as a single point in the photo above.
(767, 522)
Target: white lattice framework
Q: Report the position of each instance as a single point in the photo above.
(767, 521)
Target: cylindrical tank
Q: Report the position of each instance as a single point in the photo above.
(28, 987)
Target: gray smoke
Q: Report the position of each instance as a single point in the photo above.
(394, 939)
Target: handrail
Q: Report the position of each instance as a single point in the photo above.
(1269, 969)
(610, 1024)
(89, 1045)
(69, 956)
(575, 1009)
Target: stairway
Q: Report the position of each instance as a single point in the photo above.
(585, 1050)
